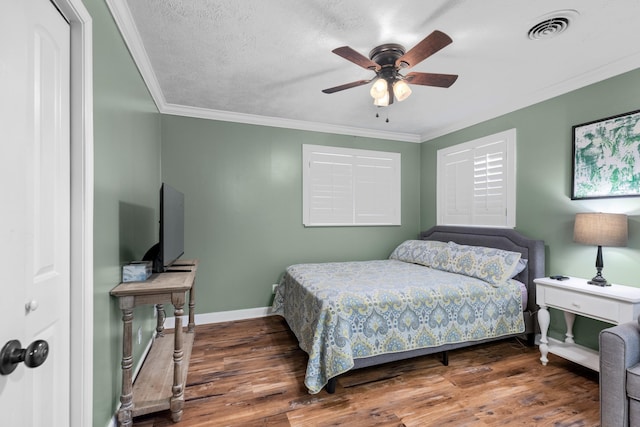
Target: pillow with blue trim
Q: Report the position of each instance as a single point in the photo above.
(418, 251)
(492, 265)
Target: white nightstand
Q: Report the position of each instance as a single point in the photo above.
(612, 304)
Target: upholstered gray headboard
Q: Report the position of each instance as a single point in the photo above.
(502, 238)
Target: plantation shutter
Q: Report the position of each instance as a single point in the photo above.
(350, 187)
(476, 182)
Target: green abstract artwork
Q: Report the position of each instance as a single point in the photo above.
(606, 157)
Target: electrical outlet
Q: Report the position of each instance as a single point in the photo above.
(273, 288)
(140, 335)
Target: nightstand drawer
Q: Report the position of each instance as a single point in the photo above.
(578, 303)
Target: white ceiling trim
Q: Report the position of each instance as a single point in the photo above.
(124, 20)
(604, 72)
(226, 116)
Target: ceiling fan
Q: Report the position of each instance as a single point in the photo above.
(387, 60)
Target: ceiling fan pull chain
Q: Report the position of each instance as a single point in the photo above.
(378, 116)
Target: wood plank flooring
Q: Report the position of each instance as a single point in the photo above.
(250, 373)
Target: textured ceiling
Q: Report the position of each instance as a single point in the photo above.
(266, 62)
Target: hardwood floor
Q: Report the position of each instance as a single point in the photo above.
(250, 373)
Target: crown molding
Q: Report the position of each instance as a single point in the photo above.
(124, 20)
(122, 16)
(602, 73)
(253, 119)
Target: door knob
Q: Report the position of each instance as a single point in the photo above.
(32, 356)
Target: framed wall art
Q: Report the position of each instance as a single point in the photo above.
(606, 157)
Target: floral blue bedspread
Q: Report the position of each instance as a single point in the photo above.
(348, 310)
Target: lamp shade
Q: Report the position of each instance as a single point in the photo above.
(600, 229)
(383, 101)
(379, 89)
(401, 90)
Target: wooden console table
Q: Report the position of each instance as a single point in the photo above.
(157, 388)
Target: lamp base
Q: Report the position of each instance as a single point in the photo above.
(599, 281)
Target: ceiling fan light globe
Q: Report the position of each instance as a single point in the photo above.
(383, 101)
(401, 90)
(379, 89)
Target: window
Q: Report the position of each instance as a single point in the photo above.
(343, 186)
(476, 182)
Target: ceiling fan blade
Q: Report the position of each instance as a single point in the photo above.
(346, 86)
(429, 79)
(427, 47)
(357, 58)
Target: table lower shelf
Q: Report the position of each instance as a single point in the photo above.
(152, 390)
(576, 353)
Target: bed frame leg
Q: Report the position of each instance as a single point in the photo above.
(445, 358)
(331, 386)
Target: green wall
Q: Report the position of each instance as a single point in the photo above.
(243, 197)
(544, 206)
(126, 180)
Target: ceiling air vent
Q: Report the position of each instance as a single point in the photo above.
(551, 25)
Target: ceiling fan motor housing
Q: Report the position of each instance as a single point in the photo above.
(386, 56)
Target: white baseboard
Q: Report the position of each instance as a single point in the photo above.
(220, 316)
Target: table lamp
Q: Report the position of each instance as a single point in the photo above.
(600, 229)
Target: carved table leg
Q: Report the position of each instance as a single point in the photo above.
(191, 326)
(126, 398)
(543, 320)
(177, 400)
(160, 322)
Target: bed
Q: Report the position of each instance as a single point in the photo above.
(450, 288)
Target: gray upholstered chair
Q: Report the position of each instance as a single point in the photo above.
(620, 375)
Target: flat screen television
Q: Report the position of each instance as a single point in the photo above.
(171, 245)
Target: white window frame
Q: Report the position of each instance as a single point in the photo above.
(350, 187)
(467, 193)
